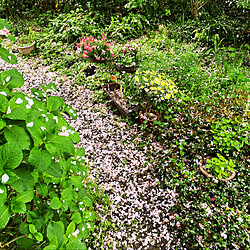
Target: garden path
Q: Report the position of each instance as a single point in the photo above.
(117, 154)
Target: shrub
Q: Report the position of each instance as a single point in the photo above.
(44, 198)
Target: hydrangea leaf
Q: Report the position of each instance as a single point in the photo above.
(11, 79)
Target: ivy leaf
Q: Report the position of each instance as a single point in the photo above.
(11, 79)
(55, 233)
(11, 155)
(17, 134)
(41, 159)
(4, 216)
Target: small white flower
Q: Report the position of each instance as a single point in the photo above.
(7, 79)
(71, 111)
(5, 178)
(63, 133)
(8, 110)
(28, 106)
(56, 119)
(72, 132)
(75, 233)
(64, 128)
(40, 109)
(73, 162)
(223, 235)
(3, 93)
(9, 57)
(30, 124)
(19, 101)
(1, 191)
(43, 128)
(88, 225)
(80, 203)
(77, 189)
(43, 115)
(46, 119)
(83, 229)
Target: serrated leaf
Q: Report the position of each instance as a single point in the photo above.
(11, 79)
(16, 134)
(4, 216)
(55, 203)
(41, 159)
(55, 233)
(59, 145)
(11, 156)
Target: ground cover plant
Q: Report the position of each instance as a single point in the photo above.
(204, 114)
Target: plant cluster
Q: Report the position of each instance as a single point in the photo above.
(94, 48)
(45, 197)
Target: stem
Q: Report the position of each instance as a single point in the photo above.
(10, 242)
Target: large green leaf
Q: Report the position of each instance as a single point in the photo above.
(76, 245)
(59, 145)
(25, 181)
(4, 103)
(11, 155)
(4, 216)
(7, 57)
(11, 79)
(17, 134)
(55, 203)
(3, 194)
(55, 233)
(54, 103)
(55, 170)
(41, 159)
(25, 197)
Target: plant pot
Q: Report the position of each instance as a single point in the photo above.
(25, 50)
(203, 162)
(94, 60)
(128, 69)
(109, 89)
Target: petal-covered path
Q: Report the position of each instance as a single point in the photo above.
(118, 162)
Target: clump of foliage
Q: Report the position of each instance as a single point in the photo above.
(45, 197)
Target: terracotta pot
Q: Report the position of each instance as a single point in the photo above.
(211, 176)
(108, 88)
(25, 50)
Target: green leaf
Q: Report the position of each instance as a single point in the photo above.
(24, 228)
(59, 145)
(4, 216)
(87, 201)
(3, 194)
(42, 189)
(41, 159)
(51, 87)
(55, 203)
(38, 236)
(71, 228)
(25, 243)
(11, 155)
(76, 180)
(25, 197)
(55, 170)
(75, 244)
(18, 207)
(54, 103)
(4, 103)
(11, 79)
(77, 218)
(71, 112)
(89, 215)
(55, 233)
(38, 93)
(32, 228)
(51, 247)
(16, 134)
(25, 181)
(7, 57)
(2, 123)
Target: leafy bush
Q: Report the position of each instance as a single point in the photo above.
(44, 190)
